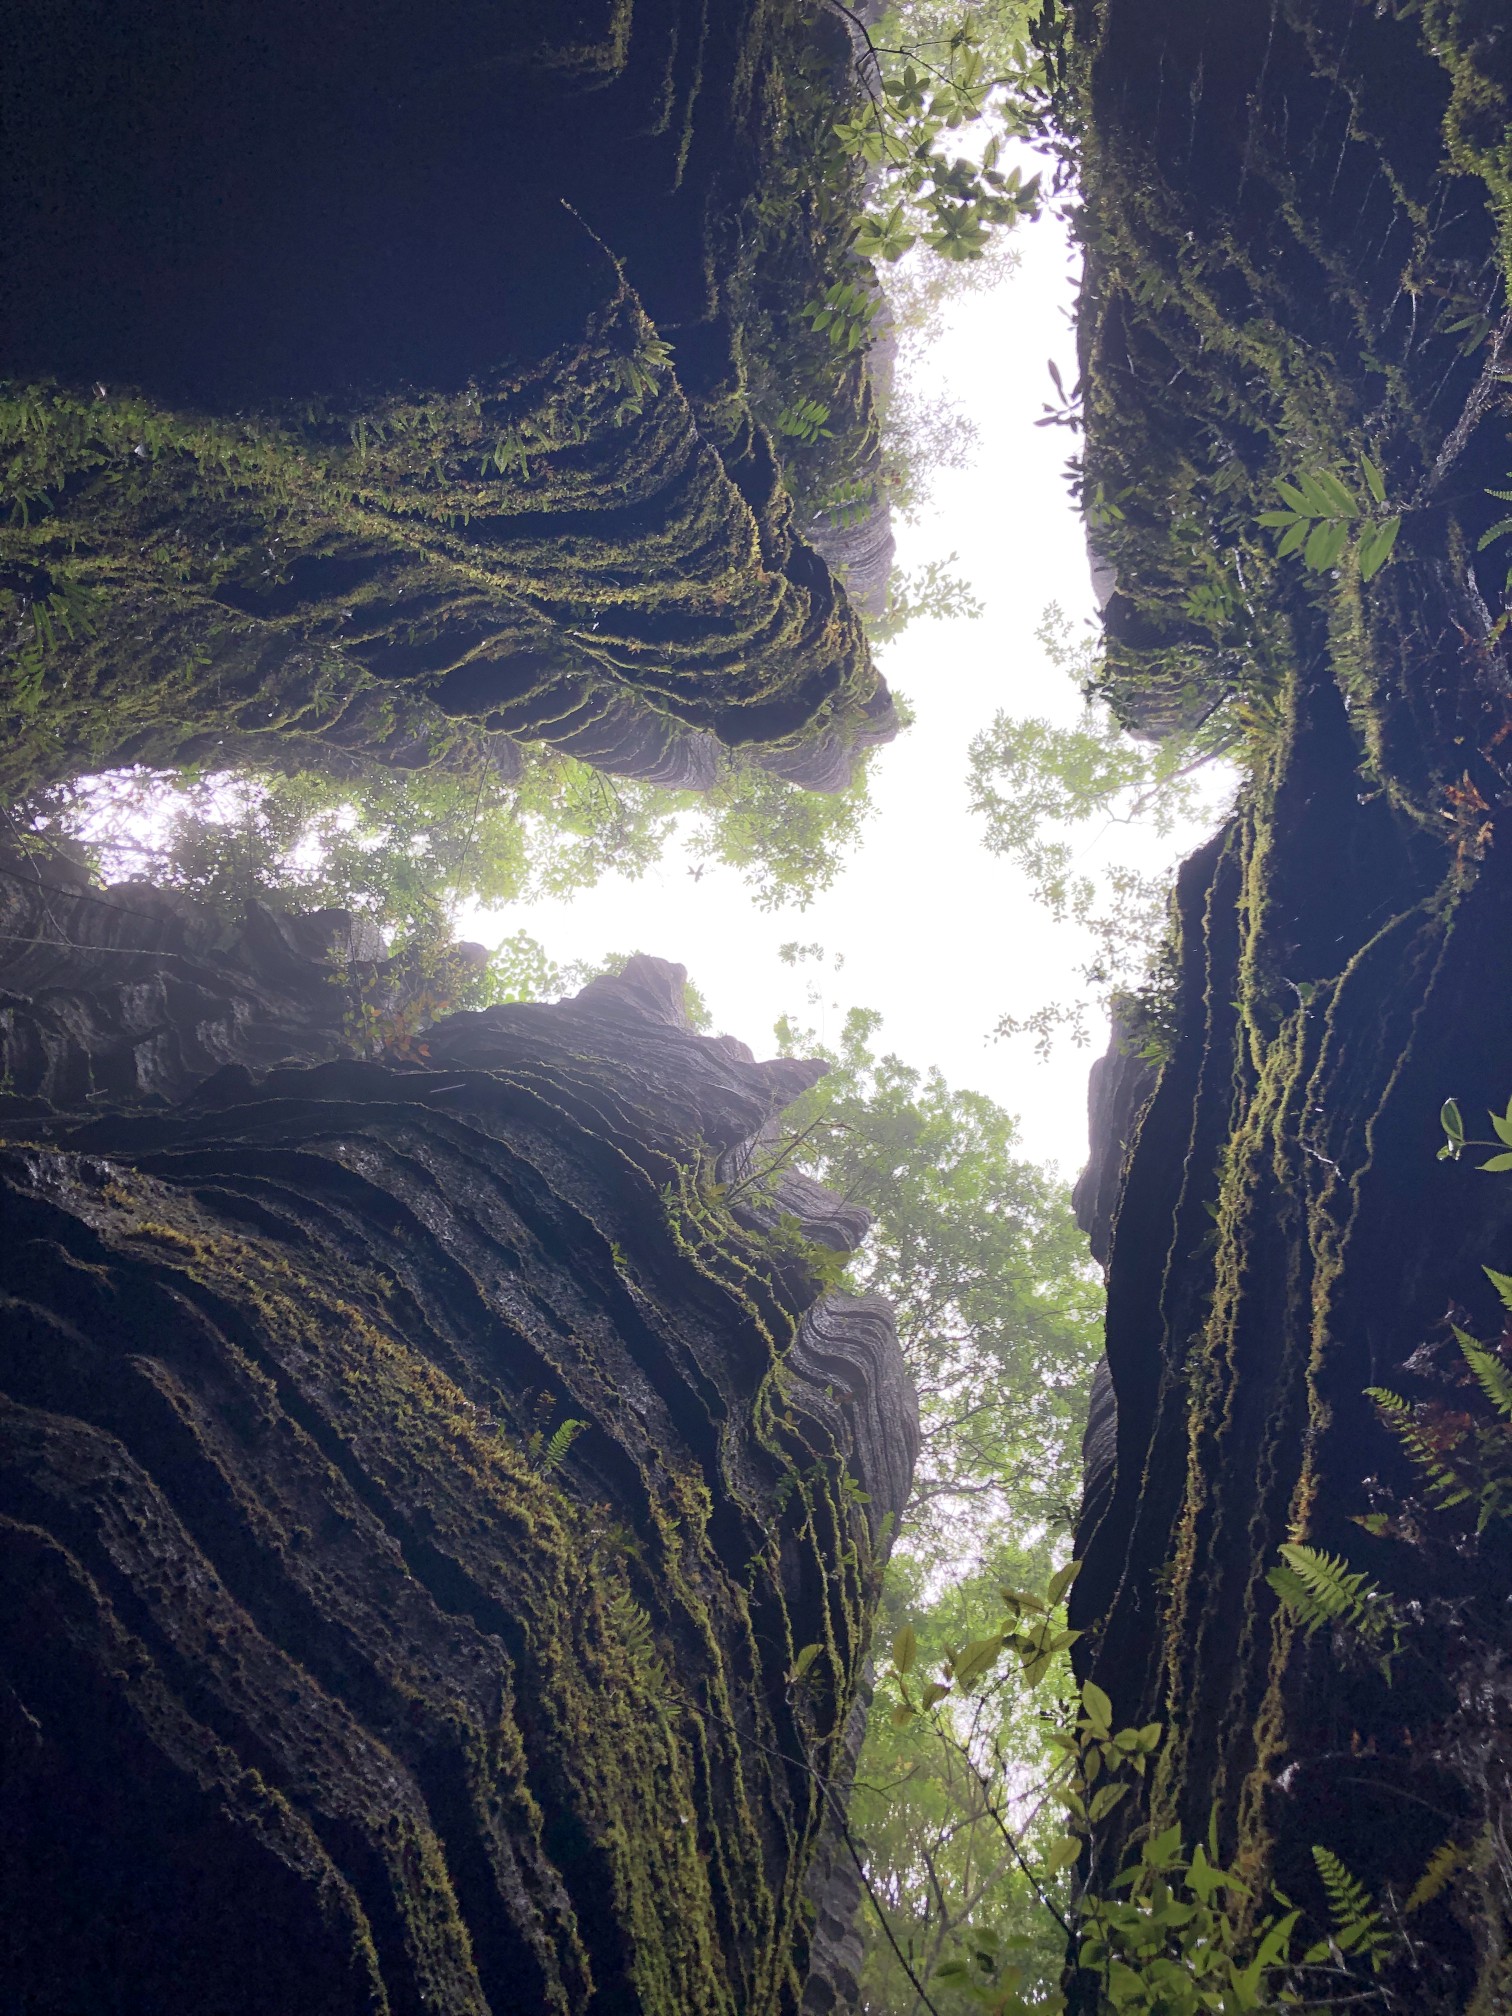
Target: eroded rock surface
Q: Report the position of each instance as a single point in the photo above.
(1272, 250)
(415, 1489)
(354, 352)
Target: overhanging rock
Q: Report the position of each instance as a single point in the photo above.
(415, 1491)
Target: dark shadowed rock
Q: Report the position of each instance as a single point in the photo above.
(403, 354)
(1279, 1237)
(415, 1489)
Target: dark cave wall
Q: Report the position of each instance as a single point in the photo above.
(348, 355)
(1285, 207)
(327, 1679)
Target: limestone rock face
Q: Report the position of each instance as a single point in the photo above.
(404, 353)
(415, 1490)
(1279, 1236)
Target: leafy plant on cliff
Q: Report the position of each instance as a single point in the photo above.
(1457, 1437)
(1319, 1588)
(1176, 1932)
(1322, 517)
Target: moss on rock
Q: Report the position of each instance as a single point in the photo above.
(1297, 257)
(429, 1483)
(473, 418)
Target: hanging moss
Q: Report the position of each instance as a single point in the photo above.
(1297, 256)
(429, 1483)
(476, 423)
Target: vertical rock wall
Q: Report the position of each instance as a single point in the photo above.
(1297, 225)
(345, 352)
(416, 1485)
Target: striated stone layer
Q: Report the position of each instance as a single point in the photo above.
(345, 351)
(415, 1489)
(1298, 245)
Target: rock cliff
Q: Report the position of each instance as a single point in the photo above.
(417, 1484)
(1297, 223)
(349, 354)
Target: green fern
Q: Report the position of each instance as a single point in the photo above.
(849, 501)
(1444, 1481)
(1494, 1378)
(1444, 1864)
(1468, 1460)
(1319, 1588)
(632, 1627)
(555, 1451)
(1357, 1925)
(804, 420)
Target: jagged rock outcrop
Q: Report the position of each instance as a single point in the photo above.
(415, 1488)
(346, 351)
(130, 996)
(1297, 250)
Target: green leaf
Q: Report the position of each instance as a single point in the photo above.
(1443, 1864)
(1021, 1599)
(975, 1660)
(904, 1648)
(1293, 539)
(1502, 1283)
(1375, 482)
(1342, 497)
(805, 1659)
(1297, 501)
(1104, 1800)
(1061, 1853)
(1163, 1849)
(1492, 1375)
(1319, 503)
(1316, 555)
(1451, 1122)
(1062, 1579)
(1376, 547)
(1273, 1948)
(1096, 1706)
(1497, 1163)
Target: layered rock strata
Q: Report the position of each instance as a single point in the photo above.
(416, 1491)
(1297, 251)
(344, 352)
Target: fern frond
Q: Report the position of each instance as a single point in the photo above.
(1445, 1482)
(1297, 1599)
(1494, 1378)
(1321, 1588)
(1357, 1925)
(561, 1441)
(633, 1627)
(1348, 1899)
(1443, 1865)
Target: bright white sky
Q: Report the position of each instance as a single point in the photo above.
(937, 934)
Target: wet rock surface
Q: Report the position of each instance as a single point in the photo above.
(415, 1489)
(404, 353)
